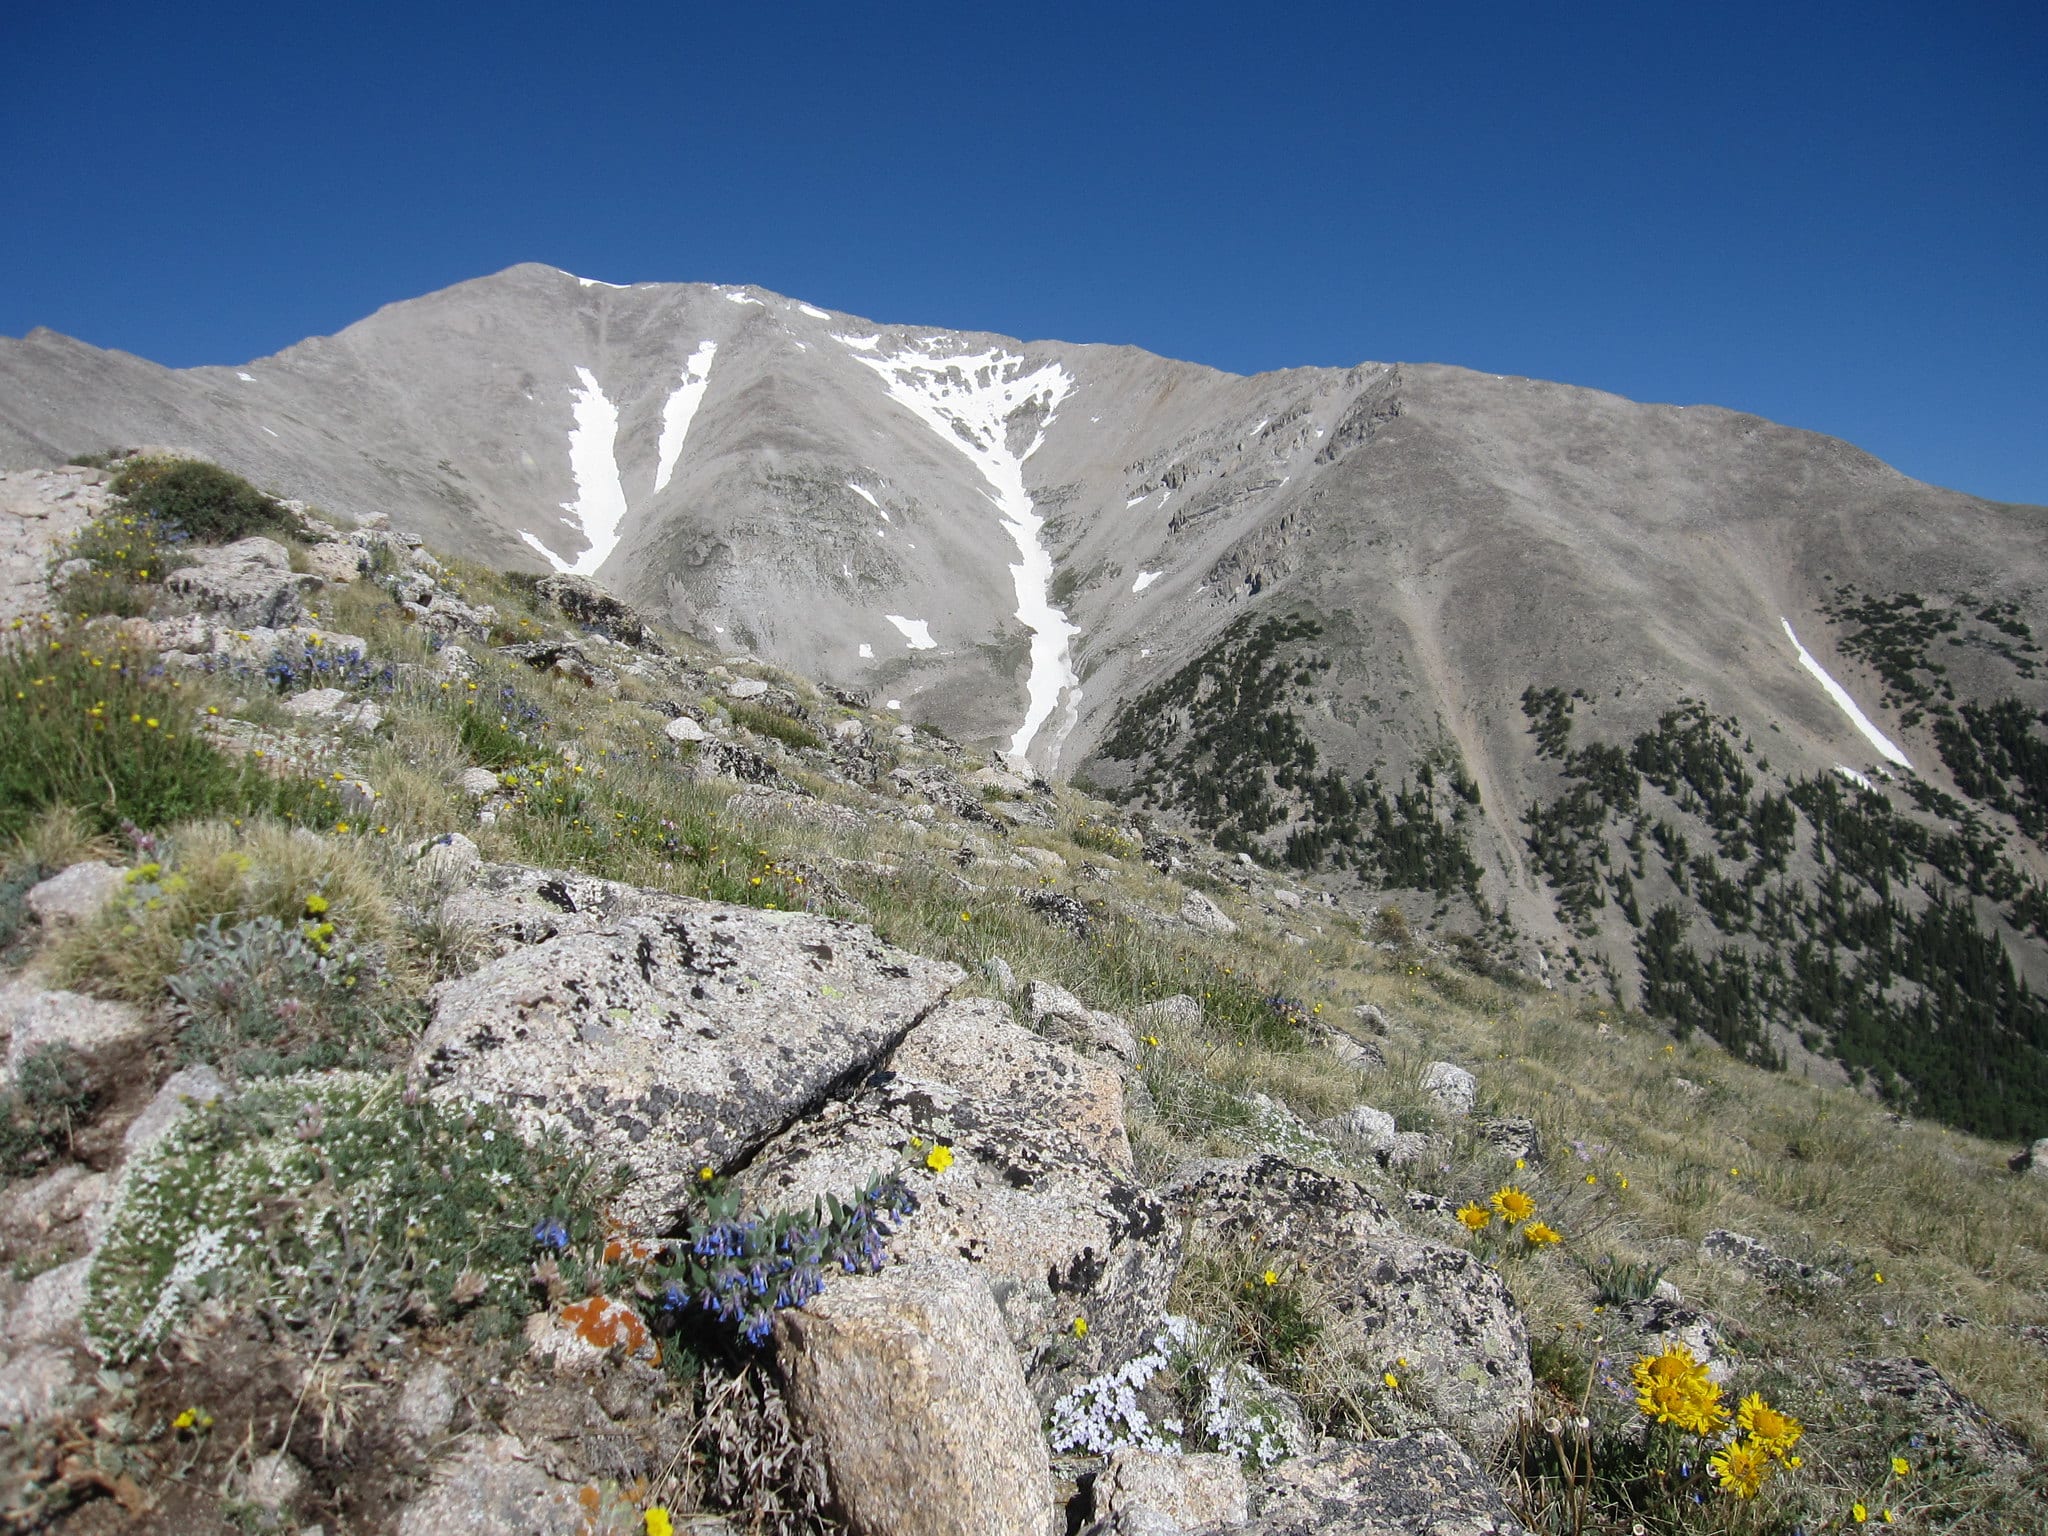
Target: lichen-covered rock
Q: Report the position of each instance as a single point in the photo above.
(1387, 1296)
(1180, 1493)
(908, 1383)
(1036, 1187)
(511, 905)
(1198, 911)
(1370, 1128)
(335, 562)
(1918, 1393)
(490, 1485)
(1756, 1257)
(594, 608)
(1454, 1089)
(75, 895)
(1419, 1485)
(249, 582)
(669, 1041)
(1513, 1137)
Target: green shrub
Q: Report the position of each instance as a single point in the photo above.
(489, 742)
(211, 504)
(84, 724)
(770, 722)
(51, 1095)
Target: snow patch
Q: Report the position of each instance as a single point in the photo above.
(1853, 776)
(681, 408)
(598, 282)
(815, 314)
(867, 652)
(860, 343)
(1145, 579)
(1132, 501)
(599, 510)
(1886, 747)
(743, 298)
(272, 433)
(916, 631)
(968, 400)
(864, 494)
(895, 703)
(248, 377)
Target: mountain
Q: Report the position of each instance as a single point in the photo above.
(1728, 718)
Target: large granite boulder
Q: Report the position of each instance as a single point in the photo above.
(1035, 1183)
(249, 582)
(668, 1041)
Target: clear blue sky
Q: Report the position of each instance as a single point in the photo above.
(1835, 216)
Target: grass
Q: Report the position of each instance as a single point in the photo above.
(204, 501)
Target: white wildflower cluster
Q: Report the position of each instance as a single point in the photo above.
(1106, 1413)
(200, 1255)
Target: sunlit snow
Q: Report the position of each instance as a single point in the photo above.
(599, 510)
(1853, 776)
(815, 314)
(598, 282)
(968, 401)
(681, 408)
(743, 298)
(867, 652)
(1145, 579)
(864, 494)
(1886, 748)
(895, 703)
(248, 376)
(1134, 500)
(860, 344)
(916, 631)
(272, 433)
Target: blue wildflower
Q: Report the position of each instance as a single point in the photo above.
(550, 1233)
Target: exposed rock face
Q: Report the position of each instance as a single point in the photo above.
(1038, 1193)
(1454, 1089)
(75, 895)
(249, 582)
(909, 1385)
(594, 608)
(491, 1486)
(1389, 1296)
(667, 1042)
(31, 1018)
(1757, 1257)
(1420, 1485)
(1944, 1415)
(1173, 1493)
(1198, 911)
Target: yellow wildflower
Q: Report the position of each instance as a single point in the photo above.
(1511, 1205)
(1674, 1388)
(1741, 1467)
(1858, 1513)
(1776, 1433)
(939, 1159)
(1271, 1277)
(1540, 1233)
(1900, 1466)
(315, 905)
(1474, 1216)
(1080, 1327)
(705, 1174)
(1393, 1382)
(658, 1522)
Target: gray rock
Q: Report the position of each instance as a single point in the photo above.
(335, 562)
(33, 1385)
(1179, 1011)
(1454, 1089)
(1513, 1137)
(1391, 1296)
(492, 1486)
(478, 782)
(49, 1307)
(1419, 1485)
(997, 969)
(596, 609)
(69, 569)
(32, 1018)
(1039, 1192)
(1185, 1492)
(450, 859)
(512, 905)
(315, 702)
(666, 1042)
(907, 1382)
(745, 688)
(1758, 1258)
(1650, 1326)
(1919, 1392)
(683, 729)
(247, 583)
(188, 1086)
(1358, 1055)
(1372, 1017)
(273, 1482)
(1043, 1001)
(1198, 911)
(76, 895)
(1409, 1149)
(427, 1401)
(1371, 1128)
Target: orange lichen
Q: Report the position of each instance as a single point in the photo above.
(605, 1324)
(637, 1251)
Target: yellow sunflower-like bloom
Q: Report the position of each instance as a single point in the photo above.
(1776, 1433)
(1474, 1216)
(1539, 1233)
(1511, 1205)
(1674, 1388)
(1741, 1467)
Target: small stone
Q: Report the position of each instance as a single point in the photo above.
(684, 729)
(478, 782)
(745, 688)
(450, 858)
(1043, 1000)
(997, 969)
(1198, 911)
(76, 895)
(1513, 1138)
(1287, 899)
(1454, 1089)
(33, 1384)
(1371, 1128)
(274, 1481)
(852, 732)
(909, 1384)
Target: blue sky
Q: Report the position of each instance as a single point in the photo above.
(1835, 216)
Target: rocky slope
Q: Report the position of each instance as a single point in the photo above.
(1327, 615)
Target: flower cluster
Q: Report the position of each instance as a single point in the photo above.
(1674, 1388)
(743, 1270)
(308, 661)
(1515, 1208)
(1767, 1438)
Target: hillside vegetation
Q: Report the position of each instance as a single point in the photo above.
(284, 817)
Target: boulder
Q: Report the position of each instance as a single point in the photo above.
(1037, 1188)
(1198, 911)
(1513, 1137)
(478, 782)
(745, 688)
(335, 562)
(1178, 1012)
(594, 608)
(32, 1018)
(1756, 1257)
(1418, 1485)
(76, 895)
(512, 905)
(1918, 1392)
(490, 1485)
(907, 1383)
(1373, 1129)
(1388, 1297)
(249, 582)
(683, 729)
(1177, 1493)
(676, 1039)
(1454, 1089)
